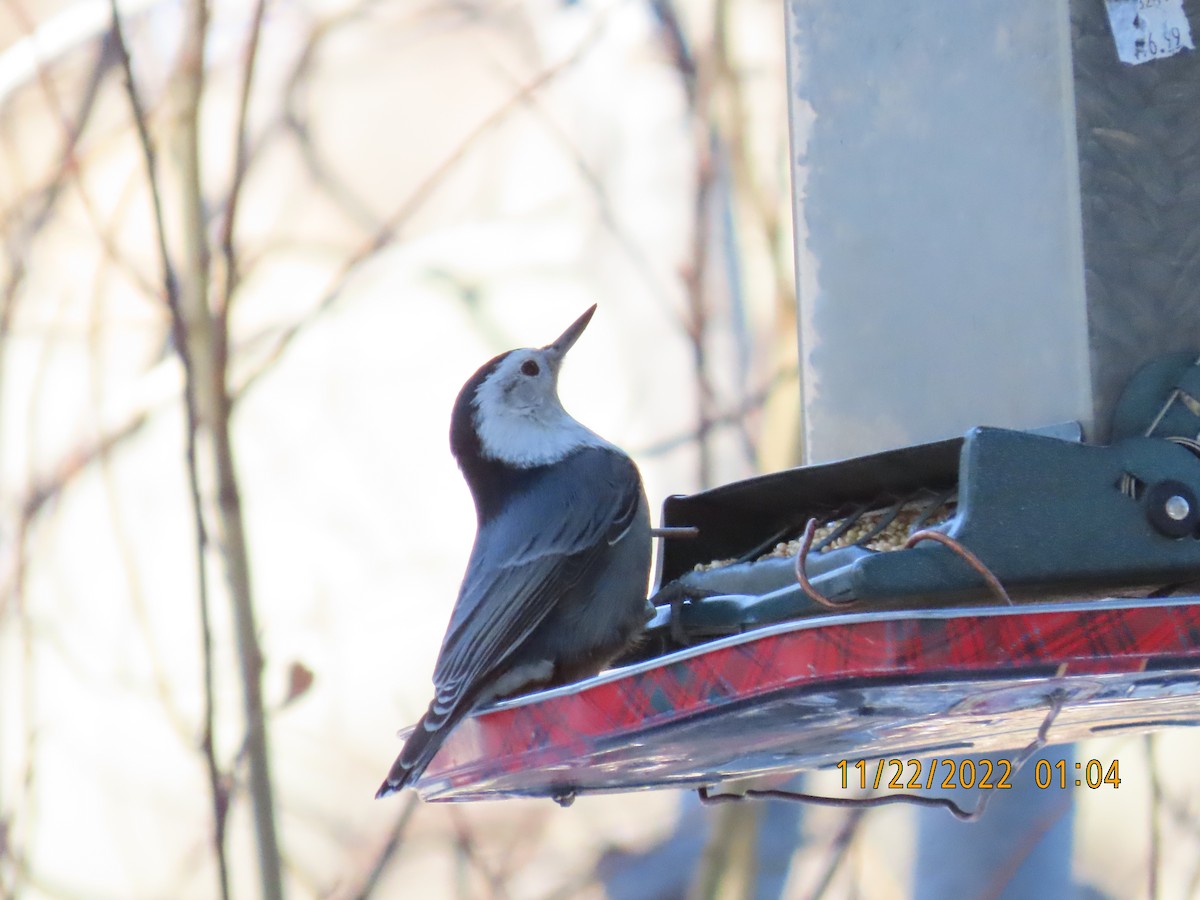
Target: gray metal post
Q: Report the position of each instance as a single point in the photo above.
(996, 218)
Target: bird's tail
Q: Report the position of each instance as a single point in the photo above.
(422, 746)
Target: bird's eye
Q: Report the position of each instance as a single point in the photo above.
(530, 368)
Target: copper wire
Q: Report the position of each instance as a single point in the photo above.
(802, 575)
(971, 559)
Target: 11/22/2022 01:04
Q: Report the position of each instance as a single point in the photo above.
(986, 774)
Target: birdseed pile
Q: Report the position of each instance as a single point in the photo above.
(891, 537)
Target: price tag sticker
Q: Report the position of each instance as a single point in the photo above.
(1146, 30)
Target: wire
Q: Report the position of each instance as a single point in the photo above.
(843, 526)
(972, 560)
(802, 574)
(1055, 698)
(886, 518)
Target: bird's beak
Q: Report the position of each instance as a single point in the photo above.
(567, 339)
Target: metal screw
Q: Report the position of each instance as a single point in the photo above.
(1177, 508)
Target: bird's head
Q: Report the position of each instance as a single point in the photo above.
(509, 411)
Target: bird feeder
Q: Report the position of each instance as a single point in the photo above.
(998, 229)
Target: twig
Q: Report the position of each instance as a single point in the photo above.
(1025, 843)
(750, 404)
(218, 790)
(19, 237)
(644, 268)
(294, 121)
(837, 851)
(228, 250)
(467, 844)
(726, 865)
(68, 169)
(388, 850)
(696, 317)
(1182, 816)
(764, 203)
(117, 524)
(1156, 794)
(29, 670)
(595, 184)
(205, 334)
(516, 849)
(698, 77)
(410, 206)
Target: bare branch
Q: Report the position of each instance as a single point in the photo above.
(842, 842)
(218, 784)
(595, 185)
(389, 231)
(240, 162)
(1156, 795)
(750, 405)
(205, 334)
(19, 561)
(468, 845)
(384, 857)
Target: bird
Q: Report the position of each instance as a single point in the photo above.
(555, 586)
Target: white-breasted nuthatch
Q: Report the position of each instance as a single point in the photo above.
(555, 587)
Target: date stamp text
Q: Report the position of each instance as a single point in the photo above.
(984, 774)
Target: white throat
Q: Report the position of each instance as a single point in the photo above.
(527, 437)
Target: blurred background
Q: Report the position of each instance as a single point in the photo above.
(251, 252)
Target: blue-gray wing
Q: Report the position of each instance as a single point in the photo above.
(543, 540)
